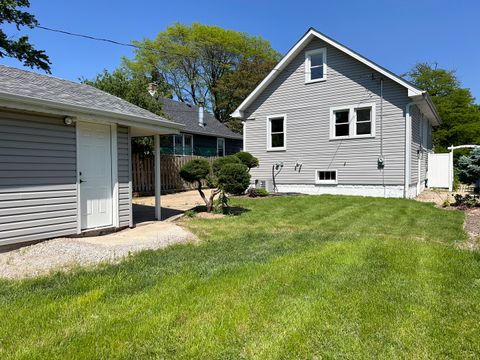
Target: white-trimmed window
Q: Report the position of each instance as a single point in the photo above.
(352, 121)
(316, 65)
(277, 132)
(328, 177)
(220, 147)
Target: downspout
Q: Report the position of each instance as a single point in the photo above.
(408, 149)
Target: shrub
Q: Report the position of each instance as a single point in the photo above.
(195, 170)
(257, 192)
(467, 201)
(469, 167)
(247, 159)
(219, 163)
(234, 178)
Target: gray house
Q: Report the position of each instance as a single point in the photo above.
(202, 134)
(328, 120)
(65, 164)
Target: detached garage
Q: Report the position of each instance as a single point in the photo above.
(65, 162)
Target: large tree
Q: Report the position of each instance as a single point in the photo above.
(456, 106)
(133, 87)
(195, 61)
(12, 12)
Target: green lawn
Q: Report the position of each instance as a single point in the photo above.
(297, 277)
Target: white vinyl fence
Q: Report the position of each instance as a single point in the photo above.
(440, 170)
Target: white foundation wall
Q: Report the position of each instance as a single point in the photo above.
(389, 191)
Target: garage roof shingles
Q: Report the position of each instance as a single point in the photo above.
(43, 87)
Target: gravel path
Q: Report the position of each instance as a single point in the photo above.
(66, 253)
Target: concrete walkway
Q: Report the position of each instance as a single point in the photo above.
(66, 253)
(173, 205)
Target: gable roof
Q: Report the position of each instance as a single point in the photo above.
(187, 115)
(29, 87)
(415, 93)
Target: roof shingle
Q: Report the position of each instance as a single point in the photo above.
(44, 87)
(187, 115)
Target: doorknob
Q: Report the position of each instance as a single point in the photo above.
(82, 181)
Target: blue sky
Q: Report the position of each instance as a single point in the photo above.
(394, 33)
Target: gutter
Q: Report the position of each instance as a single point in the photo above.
(149, 123)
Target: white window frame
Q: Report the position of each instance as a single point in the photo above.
(352, 119)
(223, 146)
(269, 132)
(326, 182)
(308, 72)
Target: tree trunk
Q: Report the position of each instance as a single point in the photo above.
(209, 201)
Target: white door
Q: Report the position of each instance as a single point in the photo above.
(95, 174)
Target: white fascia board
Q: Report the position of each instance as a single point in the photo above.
(238, 113)
(426, 106)
(12, 101)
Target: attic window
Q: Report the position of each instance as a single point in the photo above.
(315, 65)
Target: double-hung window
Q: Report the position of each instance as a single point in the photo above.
(354, 121)
(277, 132)
(316, 65)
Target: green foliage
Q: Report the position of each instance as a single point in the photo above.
(257, 192)
(469, 167)
(456, 106)
(262, 192)
(247, 159)
(132, 87)
(234, 178)
(195, 170)
(11, 12)
(219, 163)
(467, 201)
(196, 61)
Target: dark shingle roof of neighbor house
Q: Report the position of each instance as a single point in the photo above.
(31, 85)
(187, 115)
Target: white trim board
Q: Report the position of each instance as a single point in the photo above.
(388, 191)
(413, 91)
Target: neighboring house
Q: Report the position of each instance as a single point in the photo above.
(202, 135)
(328, 120)
(65, 163)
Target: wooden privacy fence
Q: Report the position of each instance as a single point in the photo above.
(143, 173)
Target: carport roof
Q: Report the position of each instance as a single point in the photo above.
(30, 87)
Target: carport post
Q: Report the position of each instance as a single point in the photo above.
(158, 184)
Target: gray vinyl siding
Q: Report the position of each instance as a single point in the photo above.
(307, 107)
(38, 192)
(421, 134)
(124, 177)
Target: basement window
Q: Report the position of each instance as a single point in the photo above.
(328, 177)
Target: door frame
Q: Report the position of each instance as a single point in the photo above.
(114, 174)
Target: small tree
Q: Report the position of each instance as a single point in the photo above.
(219, 163)
(469, 167)
(194, 172)
(234, 179)
(226, 175)
(247, 159)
